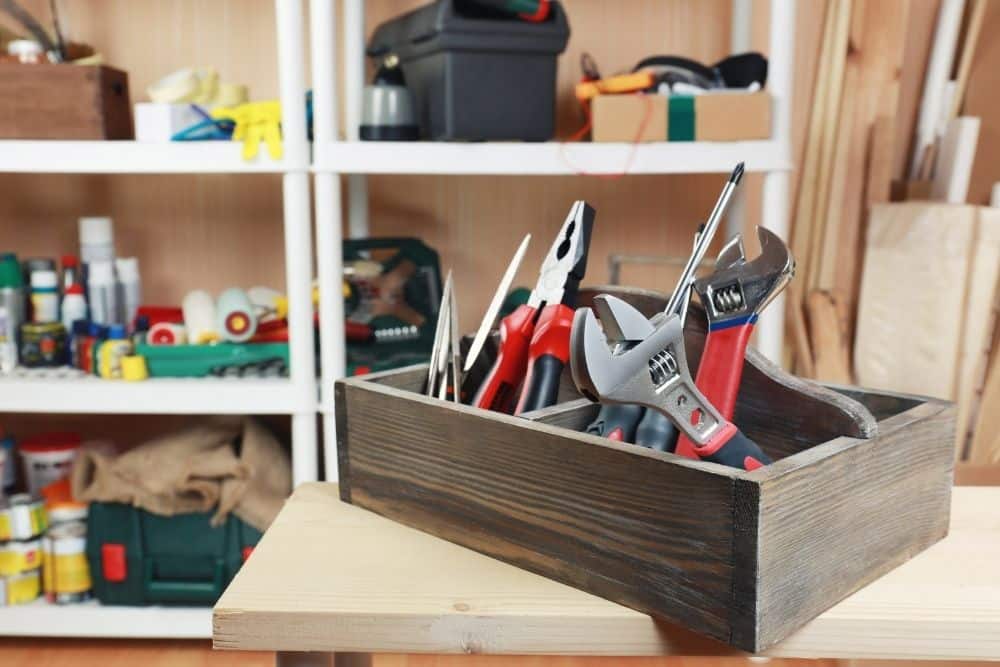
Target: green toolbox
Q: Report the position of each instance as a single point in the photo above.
(140, 558)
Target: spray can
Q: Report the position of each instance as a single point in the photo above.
(130, 295)
(102, 292)
(97, 240)
(12, 296)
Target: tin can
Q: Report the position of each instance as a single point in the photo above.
(20, 588)
(69, 578)
(43, 344)
(19, 556)
(23, 518)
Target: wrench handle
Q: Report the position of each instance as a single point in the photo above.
(720, 372)
(731, 448)
(548, 354)
(499, 390)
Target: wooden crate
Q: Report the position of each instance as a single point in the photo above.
(64, 102)
(861, 483)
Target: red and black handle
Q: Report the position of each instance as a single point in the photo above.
(617, 421)
(730, 448)
(498, 392)
(547, 356)
(720, 371)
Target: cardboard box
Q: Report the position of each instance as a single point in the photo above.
(723, 116)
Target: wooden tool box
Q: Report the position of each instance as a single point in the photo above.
(64, 102)
(861, 483)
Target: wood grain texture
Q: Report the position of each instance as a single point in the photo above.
(843, 513)
(981, 99)
(500, 485)
(328, 576)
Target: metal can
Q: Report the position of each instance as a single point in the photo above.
(20, 556)
(20, 588)
(69, 579)
(43, 344)
(25, 517)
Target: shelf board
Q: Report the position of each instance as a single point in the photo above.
(550, 158)
(90, 619)
(133, 157)
(65, 392)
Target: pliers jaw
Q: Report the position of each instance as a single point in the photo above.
(739, 290)
(566, 262)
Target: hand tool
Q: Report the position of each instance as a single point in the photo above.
(652, 371)
(733, 296)
(534, 345)
(651, 429)
(440, 341)
(456, 352)
(486, 326)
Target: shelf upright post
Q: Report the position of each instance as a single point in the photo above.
(298, 238)
(774, 216)
(329, 223)
(354, 83)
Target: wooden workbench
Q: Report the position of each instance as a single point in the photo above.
(331, 577)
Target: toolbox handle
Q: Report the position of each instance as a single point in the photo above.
(190, 591)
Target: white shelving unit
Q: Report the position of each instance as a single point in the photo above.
(41, 619)
(295, 396)
(333, 157)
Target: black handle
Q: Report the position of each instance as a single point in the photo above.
(542, 384)
(739, 452)
(617, 422)
(656, 432)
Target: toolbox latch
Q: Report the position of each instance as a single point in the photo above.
(113, 564)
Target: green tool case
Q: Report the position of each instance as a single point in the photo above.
(140, 558)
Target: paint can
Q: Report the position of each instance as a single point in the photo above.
(48, 458)
(43, 344)
(20, 588)
(23, 518)
(68, 579)
(19, 556)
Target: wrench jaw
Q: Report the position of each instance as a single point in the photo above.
(739, 290)
(653, 373)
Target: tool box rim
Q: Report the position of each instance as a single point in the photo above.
(925, 408)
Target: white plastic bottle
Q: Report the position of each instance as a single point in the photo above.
(131, 288)
(74, 306)
(45, 296)
(97, 240)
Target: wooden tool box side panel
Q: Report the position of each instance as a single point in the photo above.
(624, 524)
(842, 514)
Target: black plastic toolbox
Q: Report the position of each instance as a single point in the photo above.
(140, 558)
(477, 75)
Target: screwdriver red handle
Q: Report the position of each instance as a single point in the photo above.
(720, 372)
(499, 390)
(547, 356)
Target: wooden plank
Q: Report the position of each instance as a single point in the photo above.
(956, 154)
(332, 577)
(844, 515)
(910, 322)
(986, 436)
(829, 340)
(872, 82)
(979, 330)
(972, 31)
(981, 99)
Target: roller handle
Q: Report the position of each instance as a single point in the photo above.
(498, 391)
(548, 354)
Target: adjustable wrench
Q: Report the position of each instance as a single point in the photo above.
(650, 369)
(733, 297)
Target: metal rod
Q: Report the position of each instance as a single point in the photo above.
(704, 240)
